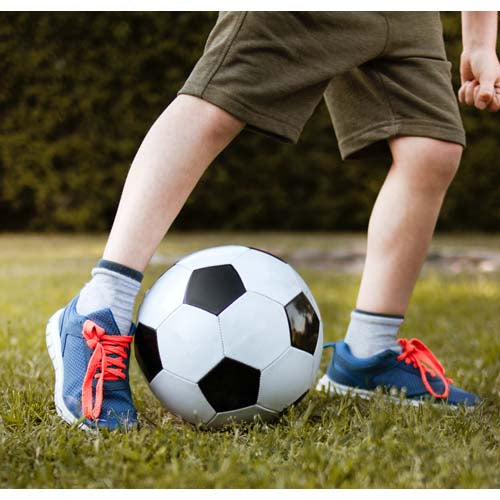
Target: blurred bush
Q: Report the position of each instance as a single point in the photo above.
(78, 92)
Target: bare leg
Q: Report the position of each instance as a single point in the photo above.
(176, 151)
(401, 227)
(178, 148)
(403, 221)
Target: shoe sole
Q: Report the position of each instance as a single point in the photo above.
(53, 341)
(326, 384)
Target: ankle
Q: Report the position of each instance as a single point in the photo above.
(115, 287)
(371, 333)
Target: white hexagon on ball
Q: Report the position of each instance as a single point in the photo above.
(285, 380)
(217, 256)
(317, 354)
(182, 397)
(243, 414)
(166, 295)
(267, 275)
(254, 330)
(189, 342)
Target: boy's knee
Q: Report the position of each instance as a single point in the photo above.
(440, 162)
(431, 164)
(218, 123)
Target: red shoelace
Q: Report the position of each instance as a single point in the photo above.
(101, 365)
(417, 353)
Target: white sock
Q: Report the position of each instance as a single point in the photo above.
(369, 333)
(112, 286)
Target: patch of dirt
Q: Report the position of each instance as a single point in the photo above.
(351, 259)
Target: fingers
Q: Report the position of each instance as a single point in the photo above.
(466, 92)
(494, 105)
(480, 96)
(470, 87)
(461, 93)
(480, 75)
(484, 95)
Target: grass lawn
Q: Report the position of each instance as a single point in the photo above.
(323, 442)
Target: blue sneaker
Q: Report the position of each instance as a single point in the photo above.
(415, 373)
(90, 360)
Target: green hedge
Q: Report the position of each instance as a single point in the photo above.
(78, 92)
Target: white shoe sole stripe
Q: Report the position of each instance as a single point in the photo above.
(326, 384)
(53, 341)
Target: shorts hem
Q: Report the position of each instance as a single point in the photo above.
(353, 146)
(254, 119)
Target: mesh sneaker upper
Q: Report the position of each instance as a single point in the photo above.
(385, 370)
(117, 406)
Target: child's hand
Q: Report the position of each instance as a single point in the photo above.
(480, 75)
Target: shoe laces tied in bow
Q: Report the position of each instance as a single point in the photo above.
(421, 357)
(106, 363)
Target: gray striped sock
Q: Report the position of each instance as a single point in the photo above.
(368, 334)
(110, 289)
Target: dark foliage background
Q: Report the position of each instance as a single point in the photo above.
(78, 92)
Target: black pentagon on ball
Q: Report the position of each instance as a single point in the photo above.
(146, 351)
(231, 385)
(214, 288)
(303, 322)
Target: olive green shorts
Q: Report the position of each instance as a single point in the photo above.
(382, 74)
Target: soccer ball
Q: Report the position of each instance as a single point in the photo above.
(228, 333)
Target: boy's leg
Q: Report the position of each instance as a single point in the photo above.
(403, 220)
(399, 234)
(178, 148)
(90, 338)
(170, 161)
(403, 97)
(400, 230)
